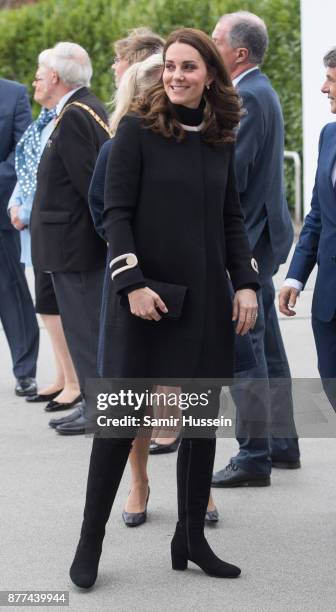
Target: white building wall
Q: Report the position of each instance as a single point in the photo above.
(318, 27)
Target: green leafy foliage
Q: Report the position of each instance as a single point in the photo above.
(95, 24)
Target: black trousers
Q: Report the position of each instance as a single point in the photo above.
(17, 312)
(78, 297)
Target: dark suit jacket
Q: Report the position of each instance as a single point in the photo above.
(317, 243)
(15, 116)
(259, 166)
(62, 231)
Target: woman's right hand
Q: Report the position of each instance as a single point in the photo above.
(144, 302)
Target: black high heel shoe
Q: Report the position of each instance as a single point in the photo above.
(134, 519)
(156, 449)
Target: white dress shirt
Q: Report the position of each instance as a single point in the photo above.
(241, 76)
(62, 102)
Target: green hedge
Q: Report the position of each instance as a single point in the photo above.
(96, 23)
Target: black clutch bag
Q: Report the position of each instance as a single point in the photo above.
(172, 295)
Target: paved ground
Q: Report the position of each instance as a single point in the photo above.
(283, 536)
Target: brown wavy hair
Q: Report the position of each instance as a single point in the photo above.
(222, 109)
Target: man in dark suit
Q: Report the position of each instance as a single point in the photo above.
(317, 245)
(64, 241)
(16, 307)
(242, 41)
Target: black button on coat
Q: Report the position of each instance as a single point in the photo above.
(174, 205)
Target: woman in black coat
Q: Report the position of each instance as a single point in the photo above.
(174, 226)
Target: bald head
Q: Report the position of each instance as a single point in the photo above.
(242, 40)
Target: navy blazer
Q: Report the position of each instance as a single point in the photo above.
(259, 165)
(15, 116)
(317, 242)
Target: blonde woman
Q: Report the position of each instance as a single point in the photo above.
(138, 77)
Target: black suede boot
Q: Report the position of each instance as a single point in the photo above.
(107, 464)
(194, 471)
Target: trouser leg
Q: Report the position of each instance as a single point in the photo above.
(17, 311)
(250, 393)
(325, 340)
(79, 299)
(284, 439)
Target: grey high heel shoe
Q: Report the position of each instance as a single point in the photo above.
(211, 516)
(134, 519)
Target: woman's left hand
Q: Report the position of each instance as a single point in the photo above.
(15, 219)
(245, 310)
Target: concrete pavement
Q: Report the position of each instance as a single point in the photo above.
(283, 537)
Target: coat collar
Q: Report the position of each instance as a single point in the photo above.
(249, 76)
(77, 95)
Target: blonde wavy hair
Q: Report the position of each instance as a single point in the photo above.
(138, 45)
(134, 83)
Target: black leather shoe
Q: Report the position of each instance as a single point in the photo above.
(76, 427)
(25, 386)
(134, 519)
(54, 406)
(211, 516)
(234, 476)
(66, 419)
(158, 449)
(286, 465)
(40, 397)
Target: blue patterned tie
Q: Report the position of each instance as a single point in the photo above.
(28, 152)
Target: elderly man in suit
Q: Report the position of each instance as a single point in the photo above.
(317, 245)
(64, 241)
(242, 40)
(16, 307)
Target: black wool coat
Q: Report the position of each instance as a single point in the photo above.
(175, 206)
(62, 230)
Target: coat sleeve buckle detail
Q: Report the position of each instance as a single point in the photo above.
(130, 260)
